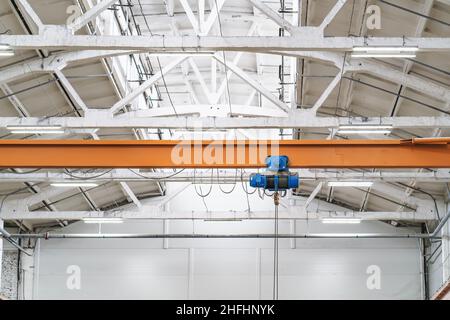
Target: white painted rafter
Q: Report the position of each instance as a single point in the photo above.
(59, 38)
(31, 14)
(332, 14)
(90, 15)
(255, 85)
(146, 85)
(439, 175)
(98, 119)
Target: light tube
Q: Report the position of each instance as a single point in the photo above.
(341, 220)
(103, 220)
(7, 53)
(350, 183)
(73, 184)
(37, 131)
(33, 127)
(385, 49)
(386, 55)
(364, 131)
(365, 127)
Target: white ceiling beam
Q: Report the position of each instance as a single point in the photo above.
(97, 119)
(212, 18)
(155, 213)
(17, 104)
(274, 16)
(190, 15)
(147, 84)
(91, 14)
(377, 69)
(170, 6)
(71, 90)
(60, 61)
(31, 14)
(326, 94)
(25, 202)
(396, 76)
(255, 85)
(236, 60)
(428, 5)
(332, 14)
(129, 193)
(54, 62)
(58, 38)
(313, 194)
(226, 176)
(201, 15)
(201, 80)
(207, 110)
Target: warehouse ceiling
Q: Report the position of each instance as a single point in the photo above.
(59, 82)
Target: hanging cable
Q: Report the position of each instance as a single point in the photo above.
(275, 248)
(161, 178)
(224, 60)
(159, 62)
(67, 172)
(234, 185)
(201, 194)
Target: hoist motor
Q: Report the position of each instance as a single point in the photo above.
(277, 176)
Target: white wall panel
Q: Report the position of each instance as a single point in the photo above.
(228, 268)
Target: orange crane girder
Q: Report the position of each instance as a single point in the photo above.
(416, 153)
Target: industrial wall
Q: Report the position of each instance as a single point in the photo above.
(9, 274)
(226, 268)
(439, 261)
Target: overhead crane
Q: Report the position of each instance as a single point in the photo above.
(412, 153)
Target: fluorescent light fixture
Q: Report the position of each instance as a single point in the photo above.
(103, 220)
(383, 55)
(73, 184)
(385, 49)
(35, 129)
(192, 54)
(7, 53)
(365, 127)
(384, 52)
(364, 131)
(341, 220)
(350, 183)
(6, 50)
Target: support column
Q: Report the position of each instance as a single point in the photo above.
(446, 252)
(25, 285)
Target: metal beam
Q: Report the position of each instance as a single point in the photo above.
(207, 110)
(91, 14)
(255, 85)
(332, 14)
(229, 176)
(297, 119)
(274, 16)
(147, 84)
(223, 154)
(59, 39)
(155, 213)
(31, 14)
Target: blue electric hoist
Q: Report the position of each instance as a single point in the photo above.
(277, 176)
